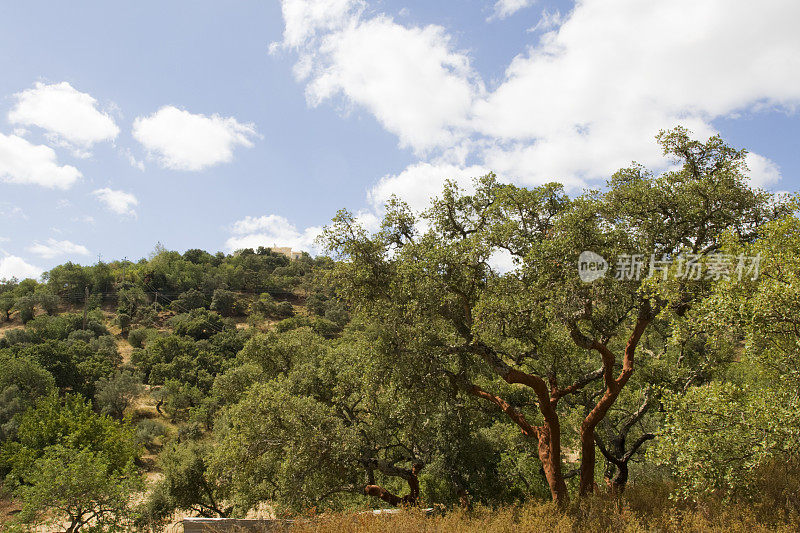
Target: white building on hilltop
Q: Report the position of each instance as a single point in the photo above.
(287, 251)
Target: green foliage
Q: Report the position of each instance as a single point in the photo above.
(139, 337)
(189, 300)
(22, 382)
(148, 430)
(198, 324)
(715, 436)
(71, 461)
(117, 392)
(26, 306)
(457, 348)
(227, 303)
(80, 487)
(7, 301)
(187, 483)
(68, 422)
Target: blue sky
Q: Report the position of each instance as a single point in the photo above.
(219, 125)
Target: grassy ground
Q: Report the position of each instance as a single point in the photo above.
(592, 515)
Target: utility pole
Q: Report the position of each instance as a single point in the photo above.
(85, 304)
(124, 260)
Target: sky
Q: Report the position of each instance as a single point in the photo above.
(222, 125)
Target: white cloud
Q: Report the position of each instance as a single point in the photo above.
(12, 266)
(53, 248)
(418, 183)
(582, 101)
(591, 96)
(270, 231)
(303, 18)
(547, 21)
(410, 78)
(119, 202)
(69, 116)
(506, 8)
(762, 170)
(12, 211)
(26, 163)
(185, 141)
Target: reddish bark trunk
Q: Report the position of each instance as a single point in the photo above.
(411, 477)
(613, 388)
(550, 456)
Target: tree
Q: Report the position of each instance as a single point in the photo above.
(227, 303)
(344, 423)
(22, 382)
(74, 486)
(6, 304)
(189, 300)
(26, 306)
(187, 483)
(68, 281)
(114, 394)
(198, 324)
(70, 459)
(718, 434)
(535, 335)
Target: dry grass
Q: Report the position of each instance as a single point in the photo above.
(643, 510)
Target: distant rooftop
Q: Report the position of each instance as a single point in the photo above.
(287, 251)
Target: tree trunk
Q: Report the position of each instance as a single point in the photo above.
(587, 485)
(550, 456)
(613, 388)
(411, 477)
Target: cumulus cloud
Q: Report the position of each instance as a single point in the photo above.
(270, 231)
(181, 140)
(583, 100)
(12, 266)
(303, 18)
(119, 202)
(69, 116)
(506, 8)
(420, 182)
(27, 163)
(410, 78)
(763, 171)
(593, 93)
(53, 248)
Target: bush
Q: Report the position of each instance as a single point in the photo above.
(48, 302)
(124, 321)
(26, 307)
(227, 303)
(116, 393)
(285, 309)
(139, 337)
(265, 305)
(189, 300)
(147, 431)
(198, 324)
